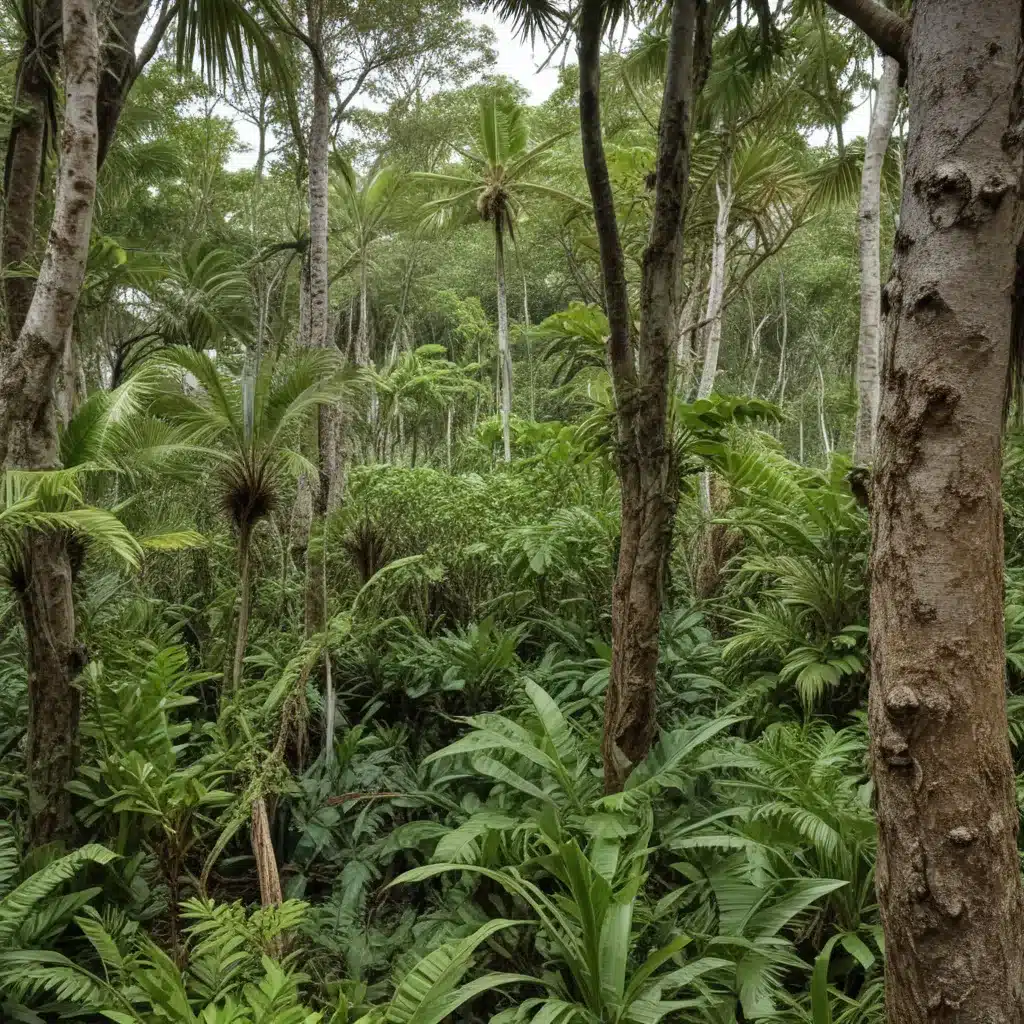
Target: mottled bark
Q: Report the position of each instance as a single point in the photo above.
(948, 876)
(869, 240)
(504, 355)
(28, 437)
(646, 473)
(35, 86)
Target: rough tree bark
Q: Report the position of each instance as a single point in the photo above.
(948, 876)
(504, 355)
(34, 91)
(869, 240)
(646, 473)
(28, 436)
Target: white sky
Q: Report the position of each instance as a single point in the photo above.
(519, 60)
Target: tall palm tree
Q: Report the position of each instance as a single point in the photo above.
(493, 182)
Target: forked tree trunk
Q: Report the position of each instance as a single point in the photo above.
(504, 355)
(948, 876)
(28, 436)
(869, 240)
(646, 473)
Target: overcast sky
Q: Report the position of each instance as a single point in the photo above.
(517, 59)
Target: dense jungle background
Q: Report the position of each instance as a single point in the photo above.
(336, 493)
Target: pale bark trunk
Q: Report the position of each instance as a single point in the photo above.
(826, 441)
(504, 356)
(716, 289)
(28, 436)
(948, 875)
(687, 336)
(869, 238)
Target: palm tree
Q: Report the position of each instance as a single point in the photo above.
(367, 212)
(494, 183)
(249, 435)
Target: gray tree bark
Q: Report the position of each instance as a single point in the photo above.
(28, 436)
(948, 876)
(869, 239)
(716, 289)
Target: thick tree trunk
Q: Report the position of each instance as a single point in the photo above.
(716, 289)
(54, 660)
(948, 877)
(504, 355)
(869, 239)
(28, 436)
(646, 478)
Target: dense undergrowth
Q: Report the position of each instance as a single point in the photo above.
(448, 853)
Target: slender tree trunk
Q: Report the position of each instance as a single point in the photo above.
(244, 601)
(28, 437)
(325, 494)
(504, 355)
(716, 289)
(363, 335)
(869, 237)
(826, 442)
(948, 876)
(646, 478)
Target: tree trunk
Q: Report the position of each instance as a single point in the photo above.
(948, 876)
(646, 478)
(325, 492)
(716, 289)
(263, 852)
(504, 356)
(362, 356)
(244, 601)
(26, 149)
(28, 437)
(869, 238)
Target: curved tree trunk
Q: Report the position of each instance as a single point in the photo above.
(948, 876)
(504, 355)
(28, 436)
(869, 240)
(646, 477)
